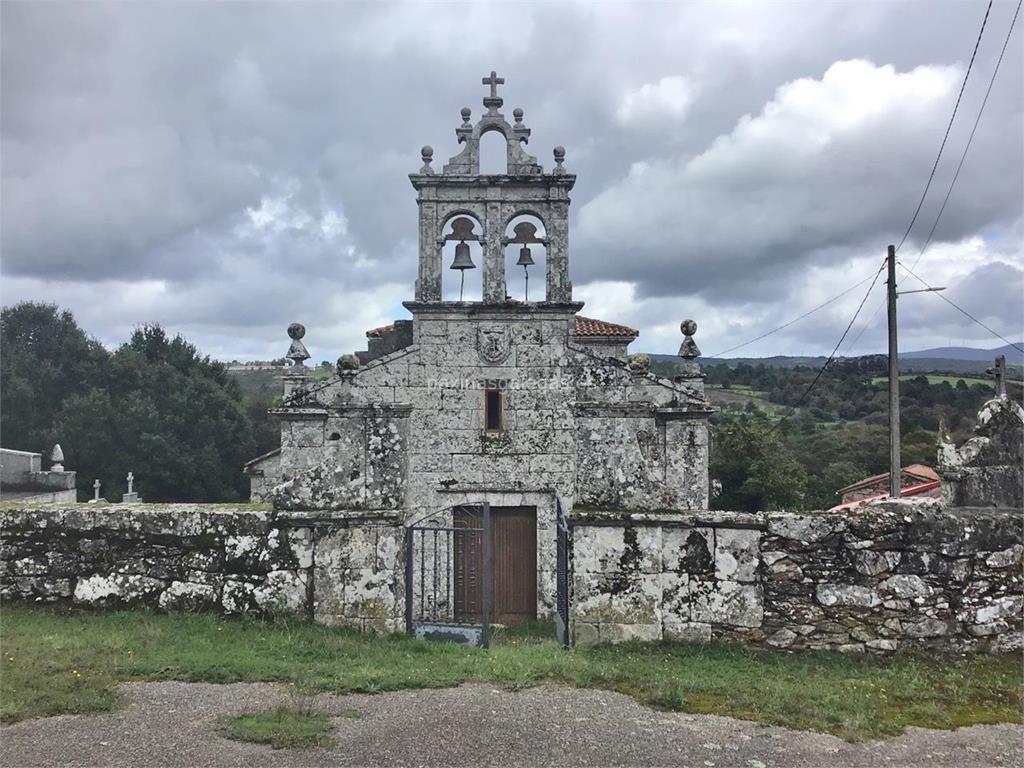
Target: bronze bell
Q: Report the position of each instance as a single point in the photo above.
(525, 259)
(462, 258)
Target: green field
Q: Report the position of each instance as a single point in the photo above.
(62, 662)
(936, 378)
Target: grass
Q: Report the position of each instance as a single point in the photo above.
(936, 379)
(60, 661)
(281, 729)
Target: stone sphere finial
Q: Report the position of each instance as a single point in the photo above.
(297, 352)
(347, 364)
(466, 112)
(427, 154)
(517, 113)
(559, 154)
(688, 350)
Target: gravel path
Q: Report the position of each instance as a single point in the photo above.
(171, 724)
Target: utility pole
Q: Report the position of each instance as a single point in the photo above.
(895, 470)
(894, 382)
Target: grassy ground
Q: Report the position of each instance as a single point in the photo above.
(281, 729)
(57, 661)
(934, 378)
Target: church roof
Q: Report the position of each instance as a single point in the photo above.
(585, 326)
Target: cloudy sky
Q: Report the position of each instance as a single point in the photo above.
(225, 169)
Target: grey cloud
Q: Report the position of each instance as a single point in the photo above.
(136, 137)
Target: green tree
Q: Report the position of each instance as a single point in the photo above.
(755, 467)
(168, 414)
(46, 359)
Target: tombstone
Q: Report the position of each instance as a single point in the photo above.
(96, 499)
(131, 497)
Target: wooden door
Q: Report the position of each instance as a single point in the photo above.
(513, 565)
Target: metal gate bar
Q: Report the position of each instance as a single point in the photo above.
(433, 619)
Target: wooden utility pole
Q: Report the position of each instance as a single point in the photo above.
(894, 383)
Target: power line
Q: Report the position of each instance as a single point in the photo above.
(831, 357)
(961, 309)
(948, 127)
(808, 313)
(970, 138)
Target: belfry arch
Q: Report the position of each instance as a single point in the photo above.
(493, 200)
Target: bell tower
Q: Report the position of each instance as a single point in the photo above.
(463, 205)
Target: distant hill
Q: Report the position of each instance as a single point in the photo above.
(912, 362)
(1013, 356)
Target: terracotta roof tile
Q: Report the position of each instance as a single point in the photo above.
(586, 326)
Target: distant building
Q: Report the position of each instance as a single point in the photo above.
(22, 477)
(915, 480)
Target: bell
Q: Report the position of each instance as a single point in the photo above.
(462, 260)
(525, 259)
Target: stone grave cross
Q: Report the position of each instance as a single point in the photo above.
(131, 497)
(96, 490)
(998, 374)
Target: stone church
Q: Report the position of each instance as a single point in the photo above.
(518, 402)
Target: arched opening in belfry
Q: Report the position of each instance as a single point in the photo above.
(462, 260)
(526, 258)
(493, 153)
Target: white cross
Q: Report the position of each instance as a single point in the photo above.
(131, 477)
(96, 487)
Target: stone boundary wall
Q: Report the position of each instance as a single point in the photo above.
(341, 571)
(879, 578)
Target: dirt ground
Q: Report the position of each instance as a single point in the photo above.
(172, 724)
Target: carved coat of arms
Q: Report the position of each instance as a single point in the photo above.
(493, 344)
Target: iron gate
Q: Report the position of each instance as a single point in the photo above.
(448, 576)
(563, 555)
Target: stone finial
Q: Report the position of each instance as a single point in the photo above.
(57, 459)
(427, 154)
(559, 154)
(517, 115)
(297, 352)
(688, 350)
(639, 363)
(466, 113)
(347, 364)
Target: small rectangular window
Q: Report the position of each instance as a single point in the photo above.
(493, 410)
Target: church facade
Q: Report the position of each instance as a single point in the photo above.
(513, 402)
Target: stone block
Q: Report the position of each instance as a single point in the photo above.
(188, 596)
(726, 602)
(904, 586)
(282, 591)
(116, 590)
(847, 594)
(871, 563)
(623, 633)
(686, 631)
(689, 550)
(736, 554)
(807, 529)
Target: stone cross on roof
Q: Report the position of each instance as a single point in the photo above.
(494, 101)
(494, 81)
